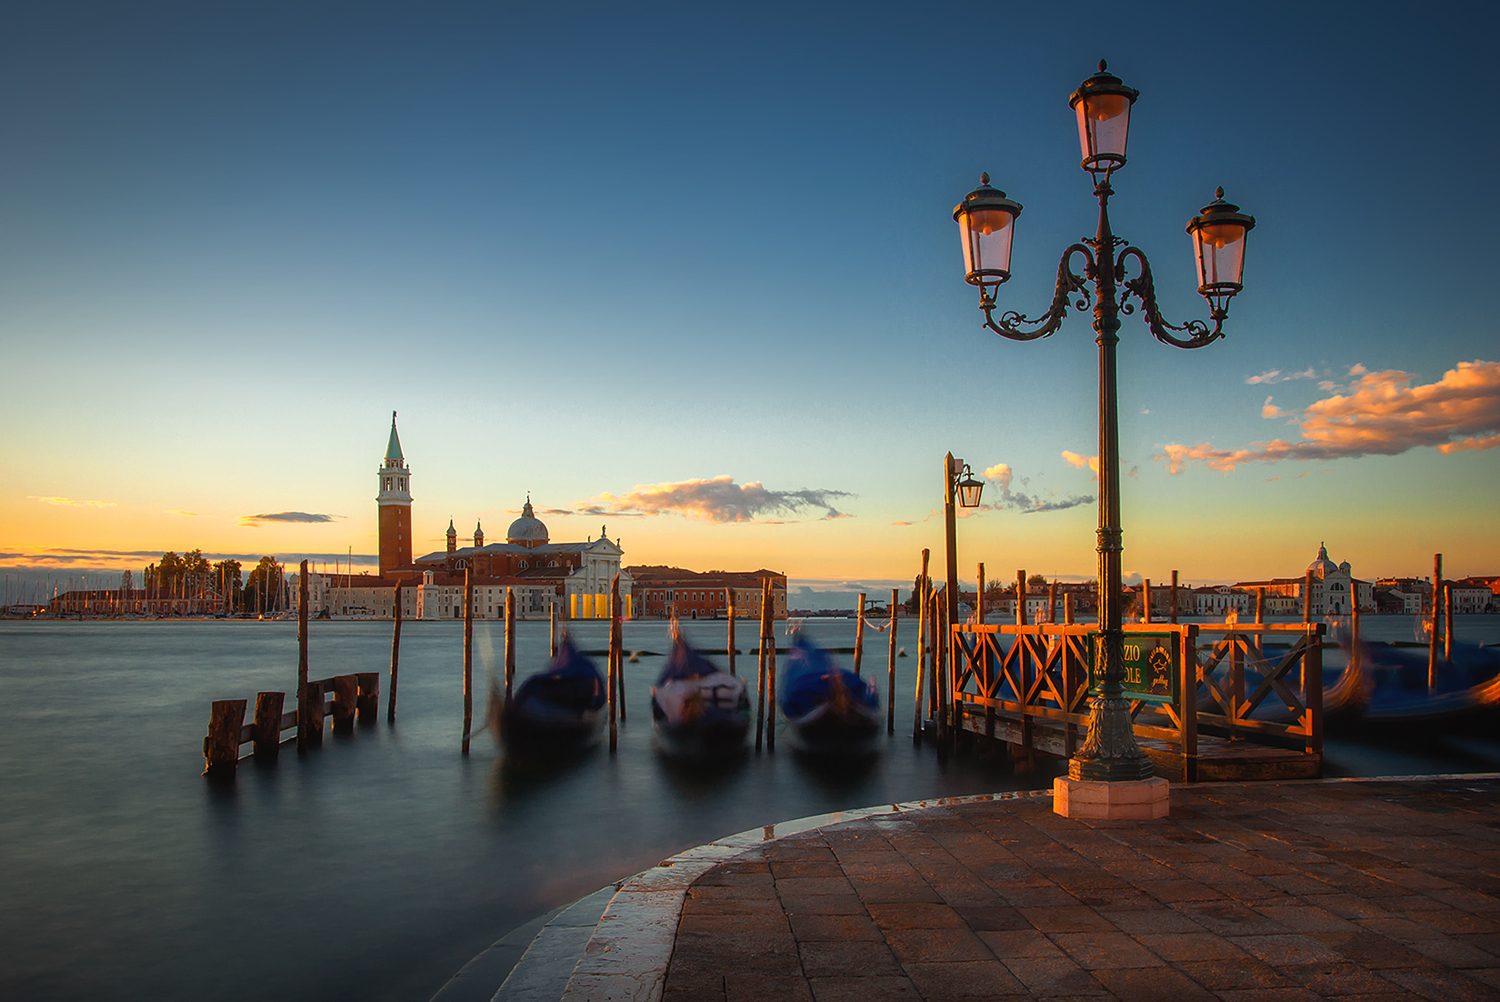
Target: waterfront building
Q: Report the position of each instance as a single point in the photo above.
(663, 592)
(1334, 589)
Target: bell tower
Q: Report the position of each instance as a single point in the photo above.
(395, 506)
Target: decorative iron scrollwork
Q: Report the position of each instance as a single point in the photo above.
(1144, 289)
(1068, 283)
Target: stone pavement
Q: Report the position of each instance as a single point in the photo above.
(1354, 890)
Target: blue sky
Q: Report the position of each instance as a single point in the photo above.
(588, 248)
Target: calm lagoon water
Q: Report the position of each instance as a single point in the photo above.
(379, 864)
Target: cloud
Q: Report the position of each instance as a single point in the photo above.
(1277, 376)
(1026, 504)
(1270, 410)
(92, 559)
(902, 523)
(286, 516)
(189, 514)
(1381, 414)
(717, 500)
(1083, 462)
(73, 502)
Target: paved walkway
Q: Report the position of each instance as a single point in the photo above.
(1351, 890)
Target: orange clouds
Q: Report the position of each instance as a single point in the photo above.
(716, 500)
(72, 503)
(1380, 414)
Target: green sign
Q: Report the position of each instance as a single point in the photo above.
(1151, 661)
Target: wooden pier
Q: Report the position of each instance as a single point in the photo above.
(1197, 712)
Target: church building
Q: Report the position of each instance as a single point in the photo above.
(573, 578)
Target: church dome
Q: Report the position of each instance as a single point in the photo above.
(528, 530)
(1322, 567)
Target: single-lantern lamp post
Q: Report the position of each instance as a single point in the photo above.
(986, 220)
(959, 483)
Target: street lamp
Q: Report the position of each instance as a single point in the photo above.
(958, 481)
(986, 220)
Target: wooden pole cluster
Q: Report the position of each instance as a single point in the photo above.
(924, 606)
(1432, 625)
(390, 711)
(890, 665)
(859, 635)
(729, 604)
(468, 655)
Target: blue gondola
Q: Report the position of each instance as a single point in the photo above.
(830, 711)
(698, 710)
(1396, 687)
(557, 710)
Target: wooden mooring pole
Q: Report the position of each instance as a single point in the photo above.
(1432, 626)
(221, 748)
(468, 655)
(1447, 622)
(922, 625)
(1307, 598)
(1260, 606)
(390, 708)
(979, 599)
(304, 698)
(760, 663)
(510, 641)
(1174, 598)
(770, 645)
(617, 639)
(551, 626)
(890, 665)
(1145, 600)
(613, 680)
(729, 604)
(1052, 602)
(859, 635)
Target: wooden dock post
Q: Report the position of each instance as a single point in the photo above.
(1354, 653)
(1052, 602)
(934, 644)
(613, 678)
(310, 716)
(1173, 620)
(468, 655)
(303, 728)
(729, 604)
(617, 640)
(1260, 606)
(1307, 598)
(345, 695)
(267, 726)
(367, 702)
(1020, 598)
(221, 748)
(922, 626)
(770, 645)
(1432, 626)
(890, 665)
(1447, 622)
(510, 641)
(979, 599)
(390, 708)
(760, 663)
(859, 635)
(1145, 600)
(551, 625)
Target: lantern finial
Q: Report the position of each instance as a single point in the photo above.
(1103, 66)
(984, 177)
(1219, 191)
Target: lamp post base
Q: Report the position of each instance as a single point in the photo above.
(1140, 800)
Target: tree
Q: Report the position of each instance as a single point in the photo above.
(1036, 583)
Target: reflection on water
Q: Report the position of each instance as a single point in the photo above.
(380, 863)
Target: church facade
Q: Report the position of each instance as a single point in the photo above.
(572, 578)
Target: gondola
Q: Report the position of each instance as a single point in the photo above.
(558, 710)
(830, 711)
(1395, 687)
(698, 710)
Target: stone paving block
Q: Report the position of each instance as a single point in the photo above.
(1052, 976)
(834, 928)
(914, 915)
(1441, 985)
(1173, 891)
(978, 979)
(917, 946)
(801, 886)
(1158, 984)
(1347, 905)
(1105, 950)
(1269, 995)
(784, 869)
(1234, 973)
(1337, 980)
(1453, 953)
(1472, 901)
(1066, 918)
(993, 917)
(1150, 920)
(1020, 943)
(883, 890)
(1400, 929)
(1299, 917)
(1180, 946)
(1371, 949)
(856, 959)
(1229, 918)
(823, 904)
(765, 988)
(884, 988)
(1286, 950)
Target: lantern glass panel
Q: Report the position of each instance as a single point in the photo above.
(986, 235)
(1221, 255)
(969, 491)
(1103, 124)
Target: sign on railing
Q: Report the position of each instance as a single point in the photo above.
(1151, 661)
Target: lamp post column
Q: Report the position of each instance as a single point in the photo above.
(950, 478)
(1110, 754)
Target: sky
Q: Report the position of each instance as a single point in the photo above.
(688, 273)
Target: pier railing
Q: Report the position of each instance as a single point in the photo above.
(1029, 685)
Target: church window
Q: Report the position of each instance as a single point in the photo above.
(524, 565)
(387, 483)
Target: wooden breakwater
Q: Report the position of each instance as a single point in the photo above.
(343, 699)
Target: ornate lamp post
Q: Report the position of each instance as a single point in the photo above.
(986, 220)
(958, 481)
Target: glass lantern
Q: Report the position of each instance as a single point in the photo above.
(986, 224)
(1103, 106)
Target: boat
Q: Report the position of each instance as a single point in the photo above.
(1395, 685)
(558, 710)
(697, 709)
(831, 712)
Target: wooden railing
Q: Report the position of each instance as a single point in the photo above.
(1029, 685)
(343, 697)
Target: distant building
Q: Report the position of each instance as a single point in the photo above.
(1334, 590)
(664, 592)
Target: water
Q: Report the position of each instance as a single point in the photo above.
(379, 864)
